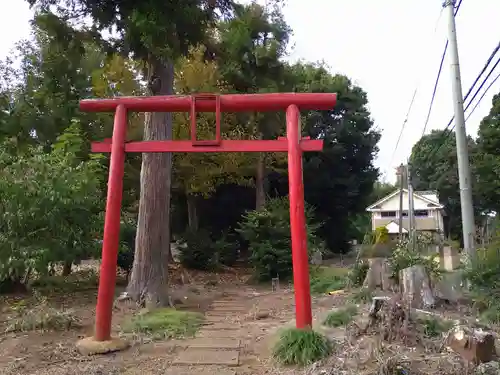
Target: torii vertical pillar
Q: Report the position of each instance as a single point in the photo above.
(300, 259)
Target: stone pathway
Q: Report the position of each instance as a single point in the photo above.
(217, 344)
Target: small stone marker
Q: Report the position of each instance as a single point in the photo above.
(275, 284)
(317, 258)
(449, 258)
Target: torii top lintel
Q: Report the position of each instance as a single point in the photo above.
(228, 103)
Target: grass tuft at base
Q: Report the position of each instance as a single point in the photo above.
(341, 317)
(165, 323)
(301, 347)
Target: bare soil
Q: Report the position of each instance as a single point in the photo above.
(264, 312)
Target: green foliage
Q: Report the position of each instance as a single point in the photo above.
(364, 295)
(165, 323)
(434, 326)
(198, 252)
(487, 161)
(350, 146)
(225, 251)
(358, 272)
(267, 232)
(76, 281)
(126, 252)
(340, 317)
(482, 273)
(156, 29)
(327, 279)
(51, 208)
(434, 167)
(407, 255)
(301, 347)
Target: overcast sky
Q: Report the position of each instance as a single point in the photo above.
(388, 47)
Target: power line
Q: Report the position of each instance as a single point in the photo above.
(438, 76)
(482, 96)
(477, 92)
(488, 62)
(404, 124)
(415, 92)
(446, 133)
(435, 88)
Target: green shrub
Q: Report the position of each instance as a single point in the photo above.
(482, 273)
(301, 347)
(126, 251)
(407, 255)
(357, 274)
(267, 232)
(199, 250)
(364, 295)
(433, 326)
(327, 279)
(340, 317)
(225, 251)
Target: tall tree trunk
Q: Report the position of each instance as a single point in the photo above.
(192, 208)
(67, 268)
(149, 278)
(260, 182)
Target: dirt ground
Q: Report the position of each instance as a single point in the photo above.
(261, 313)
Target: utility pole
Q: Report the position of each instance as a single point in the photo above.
(411, 217)
(401, 181)
(464, 175)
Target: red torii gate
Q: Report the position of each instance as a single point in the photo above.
(293, 144)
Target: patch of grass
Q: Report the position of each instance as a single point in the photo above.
(165, 323)
(491, 315)
(44, 319)
(341, 317)
(363, 295)
(326, 279)
(433, 326)
(301, 347)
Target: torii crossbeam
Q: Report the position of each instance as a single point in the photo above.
(293, 144)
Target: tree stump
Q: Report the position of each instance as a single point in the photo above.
(474, 345)
(378, 275)
(416, 288)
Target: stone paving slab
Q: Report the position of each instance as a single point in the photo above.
(222, 326)
(220, 314)
(214, 343)
(213, 319)
(192, 356)
(220, 333)
(198, 371)
(229, 309)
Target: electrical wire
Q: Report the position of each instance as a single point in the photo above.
(488, 62)
(404, 124)
(415, 93)
(446, 133)
(482, 96)
(477, 92)
(438, 76)
(435, 88)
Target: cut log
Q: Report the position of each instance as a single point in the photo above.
(473, 345)
(378, 275)
(416, 288)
